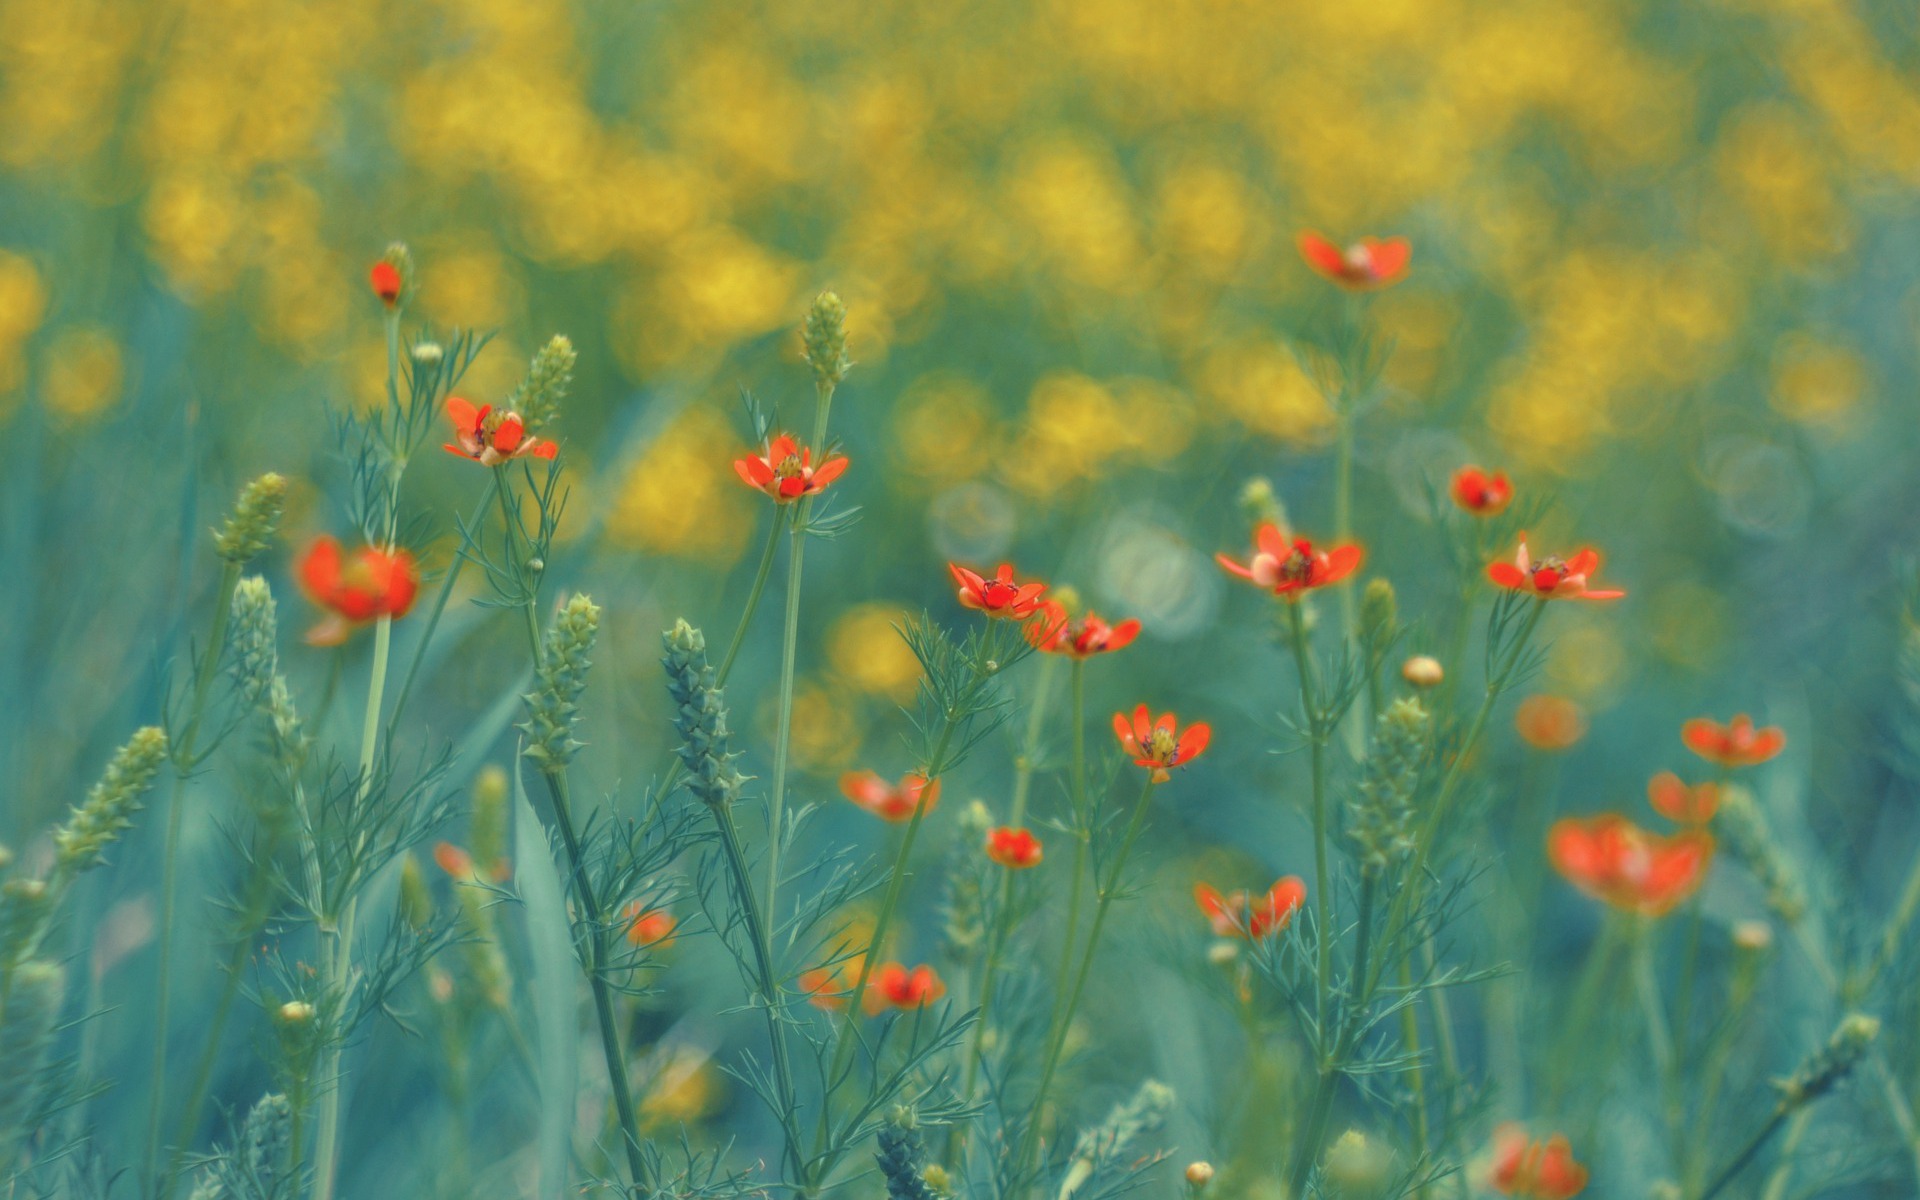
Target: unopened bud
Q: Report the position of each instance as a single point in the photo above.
(825, 337)
(1752, 936)
(1260, 504)
(427, 353)
(1379, 612)
(1199, 1174)
(1359, 1167)
(296, 1012)
(1423, 671)
(255, 518)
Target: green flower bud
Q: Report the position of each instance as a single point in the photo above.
(255, 518)
(81, 843)
(553, 708)
(825, 335)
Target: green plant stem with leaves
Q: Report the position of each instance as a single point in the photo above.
(1317, 749)
(1082, 830)
(1068, 1003)
(184, 763)
(439, 608)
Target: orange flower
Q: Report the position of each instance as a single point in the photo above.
(1015, 849)
(888, 801)
(786, 471)
(1482, 494)
(368, 585)
(1078, 637)
(1735, 744)
(649, 927)
(999, 596)
(1237, 914)
(385, 278)
(1676, 801)
(1610, 858)
(894, 986)
(826, 987)
(1368, 264)
(1551, 578)
(1534, 1170)
(1292, 568)
(1548, 722)
(491, 436)
(458, 864)
(1153, 743)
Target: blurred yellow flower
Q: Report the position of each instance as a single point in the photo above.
(866, 649)
(1817, 382)
(84, 372)
(1259, 383)
(681, 496)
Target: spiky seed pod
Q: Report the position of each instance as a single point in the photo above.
(256, 633)
(265, 1141)
(1379, 614)
(554, 705)
(81, 843)
(1751, 840)
(27, 1024)
(1832, 1062)
(700, 716)
(899, 1159)
(1382, 815)
(255, 518)
(538, 396)
(825, 335)
(1106, 1143)
(487, 834)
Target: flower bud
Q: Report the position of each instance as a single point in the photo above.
(1359, 1167)
(428, 353)
(1752, 937)
(554, 706)
(108, 812)
(296, 1012)
(1379, 612)
(700, 716)
(416, 901)
(1423, 671)
(537, 398)
(392, 278)
(1260, 505)
(255, 518)
(1199, 1174)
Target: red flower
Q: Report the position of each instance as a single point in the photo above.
(1014, 849)
(650, 927)
(1078, 637)
(1154, 744)
(386, 281)
(894, 986)
(1676, 801)
(1482, 494)
(1610, 858)
(1551, 578)
(826, 987)
(458, 864)
(492, 436)
(1291, 568)
(1735, 744)
(999, 596)
(1237, 914)
(786, 472)
(1534, 1170)
(888, 801)
(354, 590)
(1368, 264)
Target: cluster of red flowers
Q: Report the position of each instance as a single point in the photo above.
(890, 801)
(1533, 1169)
(1238, 915)
(892, 985)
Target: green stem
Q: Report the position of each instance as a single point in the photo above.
(616, 1058)
(1030, 1138)
(1753, 1147)
(1713, 1072)
(1416, 1074)
(439, 607)
(183, 758)
(1082, 837)
(1317, 747)
(1659, 1037)
(783, 734)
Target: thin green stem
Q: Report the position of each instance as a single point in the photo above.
(183, 757)
(1082, 836)
(1317, 748)
(1030, 1138)
(1753, 1147)
(783, 733)
(616, 1058)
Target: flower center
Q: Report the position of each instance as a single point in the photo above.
(1549, 572)
(789, 468)
(1162, 744)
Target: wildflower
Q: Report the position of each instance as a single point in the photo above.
(1015, 849)
(254, 520)
(553, 707)
(786, 471)
(1368, 264)
(1237, 914)
(386, 282)
(369, 584)
(894, 986)
(890, 801)
(1481, 494)
(1078, 637)
(826, 988)
(1290, 568)
(1423, 671)
(80, 844)
(491, 436)
(1549, 722)
(1532, 1169)
(999, 596)
(537, 397)
(1676, 801)
(1735, 744)
(1610, 858)
(824, 334)
(1552, 578)
(1155, 745)
(649, 927)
